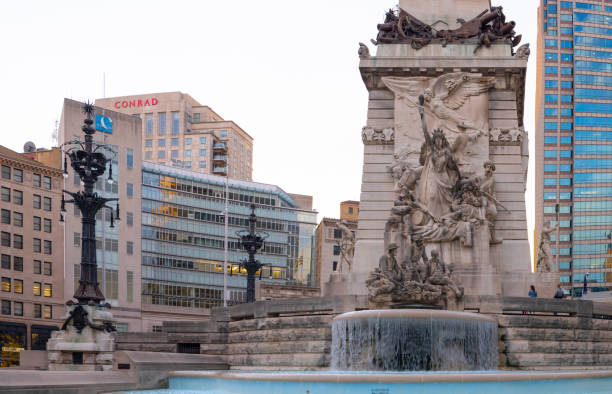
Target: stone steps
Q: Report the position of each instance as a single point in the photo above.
(554, 334)
(285, 334)
(273, 323)
(280, 360)
(281, 347)
(549, 321)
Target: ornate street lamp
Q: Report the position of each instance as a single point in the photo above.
(251, 242)
(89, 162)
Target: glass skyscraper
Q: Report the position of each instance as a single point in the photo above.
(183, 235)
(574, 139)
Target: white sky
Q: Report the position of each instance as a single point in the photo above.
(285, 71)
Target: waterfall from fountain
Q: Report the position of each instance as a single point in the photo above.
(414, 340)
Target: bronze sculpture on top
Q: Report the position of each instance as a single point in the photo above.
(485, 28)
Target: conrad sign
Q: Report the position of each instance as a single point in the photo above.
(136, 103)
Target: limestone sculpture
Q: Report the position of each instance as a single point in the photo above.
(523, 52)
(544, 261)
(363, 51)
(347, 245)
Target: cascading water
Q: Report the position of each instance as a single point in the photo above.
(414, 340)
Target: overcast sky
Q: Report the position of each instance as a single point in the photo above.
(285, 71)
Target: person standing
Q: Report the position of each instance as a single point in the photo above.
(532, 292)
(559, 292)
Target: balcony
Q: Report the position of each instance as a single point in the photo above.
(219, 170)
(220, 160)
(220, 147)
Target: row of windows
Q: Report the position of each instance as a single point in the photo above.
(593, 192)
(590, 206)
(562, 209)
(593, 121)
(584, 164)
(553, 98)
(562, 126)
(592, 249)
(596, 220)
(554, 70)
(562, 196)
(550, 43)
(553, 167)
(593, 41)
(593, 135)
(600, 80)
(587, 65)
(5, 195)
(553, 84)
(39, 311)
(588, 6)
(183, 237)
(593, 149)
(593, 53)
(593, 177)
(604, 108)
(554, 111)
(593, 18)
(592, 30)
(553, 182)
(564, 154)
(587, 235)
(565, 140)
(38, 288)
(161, 123)
(5, 262)
(17, 173)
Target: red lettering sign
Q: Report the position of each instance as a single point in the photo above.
(136, 103)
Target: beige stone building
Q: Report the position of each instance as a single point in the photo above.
(179, 131)
(118, 249)
(31, 252)
(329, 239)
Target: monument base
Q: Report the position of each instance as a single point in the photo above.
(87, 343)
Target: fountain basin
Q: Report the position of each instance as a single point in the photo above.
(414, 340)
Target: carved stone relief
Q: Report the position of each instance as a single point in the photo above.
(347, 245)
(371, 135)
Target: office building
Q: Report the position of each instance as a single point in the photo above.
(31, 253)
(183, 241)
(574, 138)
(118, 247)
(180, 132)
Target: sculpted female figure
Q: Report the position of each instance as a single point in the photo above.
(440, 171)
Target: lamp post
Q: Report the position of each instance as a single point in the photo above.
(88, 161)
(251, 242)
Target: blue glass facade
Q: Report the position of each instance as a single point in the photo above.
(183, 225)
(577, 102)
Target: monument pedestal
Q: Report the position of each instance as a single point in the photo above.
(91, 349)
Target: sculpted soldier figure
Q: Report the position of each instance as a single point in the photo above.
(486, 183)
(441, 274)
(544, 254)
(387, 275)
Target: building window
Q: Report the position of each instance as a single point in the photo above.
(161, 123)
(174, 141)
(36, 200)
(18, 175)
(76, 239)
(47, 227)
(6, 172)
(36, 180)
(6, 307)
(17, 219)
(47, 203)
(47, 312)
(6, 216)
(196, 118)
(161, 154)
(129, 190)
(149, 124)
(18, 286)
(47, 182)
(336, 250)
(6, 194)
(17, 197)
(48, 247)
(148, 155)
(202, 164)
(5, 261)
(129, 217)
(202, 152)
(174, 153)
(129, 158)
(18, 263)
(187, 152)
(18, 308)
(149, 143)
(48, 270)
(37, 311)
(36, 245)
(6, 284)
(129, 247)
(187, 141)
(36, 223)
(37, 267)
(175, 122)
(47, 290)
(17, 241)
(161, 142)
(202, 140)
(130, 285)
(5, 239)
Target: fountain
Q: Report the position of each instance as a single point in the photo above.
(413, 340)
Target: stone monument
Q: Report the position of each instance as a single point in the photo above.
(442, 209)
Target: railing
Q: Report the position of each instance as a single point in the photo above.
(220, 157)
(220, 169)
(220, 145)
